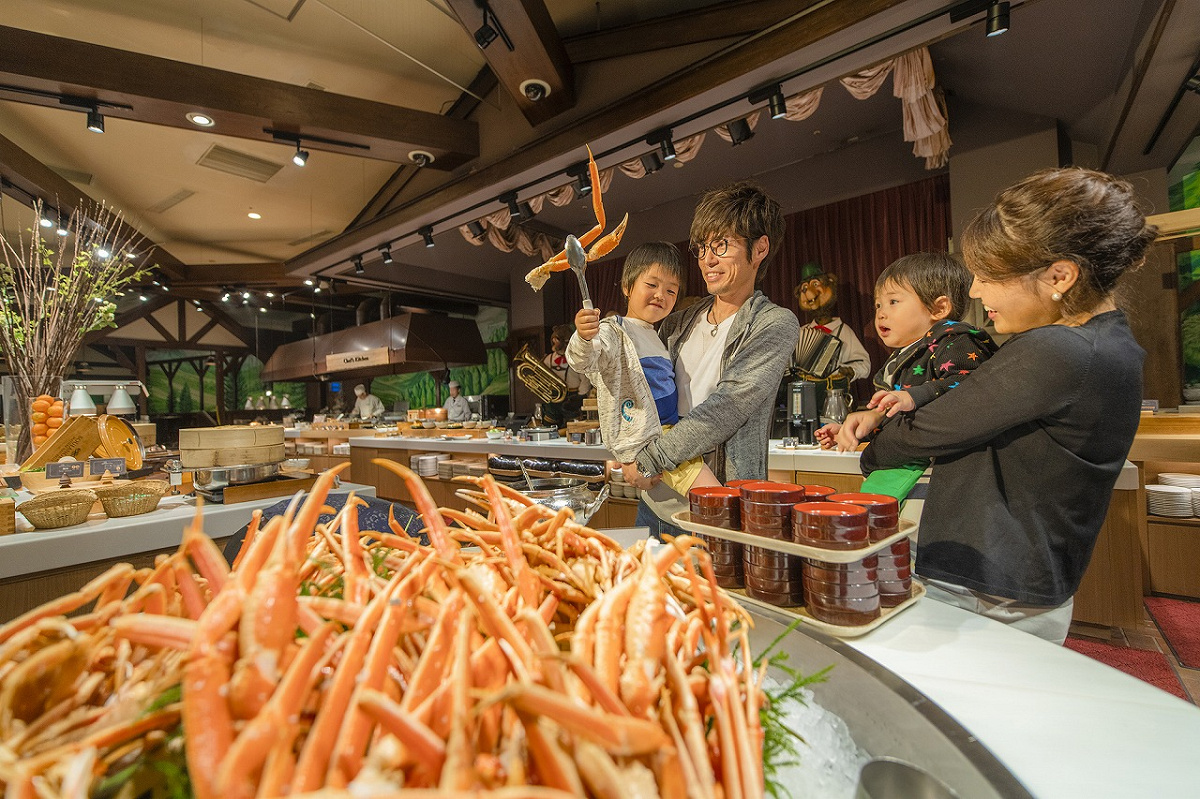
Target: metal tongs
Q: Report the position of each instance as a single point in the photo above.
(577, 258)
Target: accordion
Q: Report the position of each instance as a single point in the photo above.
(816, 353)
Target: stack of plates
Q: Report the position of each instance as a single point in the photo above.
(445, 469)
(427, 465)
(1179, 479)
(1168, 500)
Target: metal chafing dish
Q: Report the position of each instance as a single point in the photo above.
(210, 482)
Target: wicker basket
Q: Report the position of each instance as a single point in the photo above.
(131, 499)
(61, 508)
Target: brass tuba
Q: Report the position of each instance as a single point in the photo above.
(537, 377)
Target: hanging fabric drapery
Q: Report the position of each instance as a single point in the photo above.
(926, 125)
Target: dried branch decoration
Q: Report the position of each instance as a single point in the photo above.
(55, 291)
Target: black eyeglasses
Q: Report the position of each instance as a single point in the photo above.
(718, 248)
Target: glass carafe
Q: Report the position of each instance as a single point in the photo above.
(836, 406)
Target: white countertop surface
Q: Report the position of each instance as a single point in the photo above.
(1064, 724)
(554, 448)
(105, 538)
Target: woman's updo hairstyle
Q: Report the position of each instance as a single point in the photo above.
(1068, 214)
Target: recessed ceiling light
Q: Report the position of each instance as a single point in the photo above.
(203, 120)
(254, 215)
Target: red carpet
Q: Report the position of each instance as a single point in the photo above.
(1179, 622)
(1151, 667)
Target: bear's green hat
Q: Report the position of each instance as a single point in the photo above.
(810, 270)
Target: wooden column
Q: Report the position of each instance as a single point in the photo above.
(143, 401)
(220, 384)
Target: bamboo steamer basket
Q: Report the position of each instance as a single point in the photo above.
(230, 445)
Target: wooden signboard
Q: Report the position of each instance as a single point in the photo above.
(341, 361)
(77, 438)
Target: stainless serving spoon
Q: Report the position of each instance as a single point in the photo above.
(577, 258)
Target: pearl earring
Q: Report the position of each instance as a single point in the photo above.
(1056, 296)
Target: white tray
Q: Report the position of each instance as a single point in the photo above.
(836, 630)
(684, 520)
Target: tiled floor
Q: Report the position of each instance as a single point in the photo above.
(1146, 636)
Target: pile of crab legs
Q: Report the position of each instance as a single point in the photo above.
(540, 661)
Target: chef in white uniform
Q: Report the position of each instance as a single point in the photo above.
(457, 408)
(366, 406)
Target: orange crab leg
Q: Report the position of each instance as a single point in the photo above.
(433, 658)
(424, 746)
(526, 583)
(439, 532)
(251, 534)
(66, 604)
(618, 735)
(356, 727)
(609, 242)
(253, 745)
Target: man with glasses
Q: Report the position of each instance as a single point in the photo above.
(729, 350)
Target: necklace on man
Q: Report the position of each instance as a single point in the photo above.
(715, 325)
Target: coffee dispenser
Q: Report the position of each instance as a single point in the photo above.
(803, 410)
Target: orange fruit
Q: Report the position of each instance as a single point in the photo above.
(45, 397)
(37, 418)
(40, 406)
(40, 429)
(54, 422)
(39, 440)
(56, 410)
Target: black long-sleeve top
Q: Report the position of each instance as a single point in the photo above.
(1025, 455)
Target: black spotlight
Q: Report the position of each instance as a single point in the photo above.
(427, 234)
(515, 209)
(773, 96)
(997, 18)
(301, 156)
(358, 265)
(476, 229)
(385, 253)
(662, 138)
(739, 131)
(485, 35)
(583, 178)
(95, 121)
(652, 163)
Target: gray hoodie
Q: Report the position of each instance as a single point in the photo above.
(735, 420)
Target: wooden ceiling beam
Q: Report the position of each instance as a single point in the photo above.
(483, 85)
(160, 91)
(34, 179)
(273, 275)
(711, 23)
(132, 315)
(537, 53)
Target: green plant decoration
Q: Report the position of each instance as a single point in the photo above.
(54, 291)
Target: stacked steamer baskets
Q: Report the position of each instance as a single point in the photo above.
(845, 594)
(771, 576)
(720, 506)
(894, 570)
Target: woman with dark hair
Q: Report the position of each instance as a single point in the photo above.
(1026, 453)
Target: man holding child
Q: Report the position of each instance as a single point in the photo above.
(729, 350)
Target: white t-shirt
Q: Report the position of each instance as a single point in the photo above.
(698, 368)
